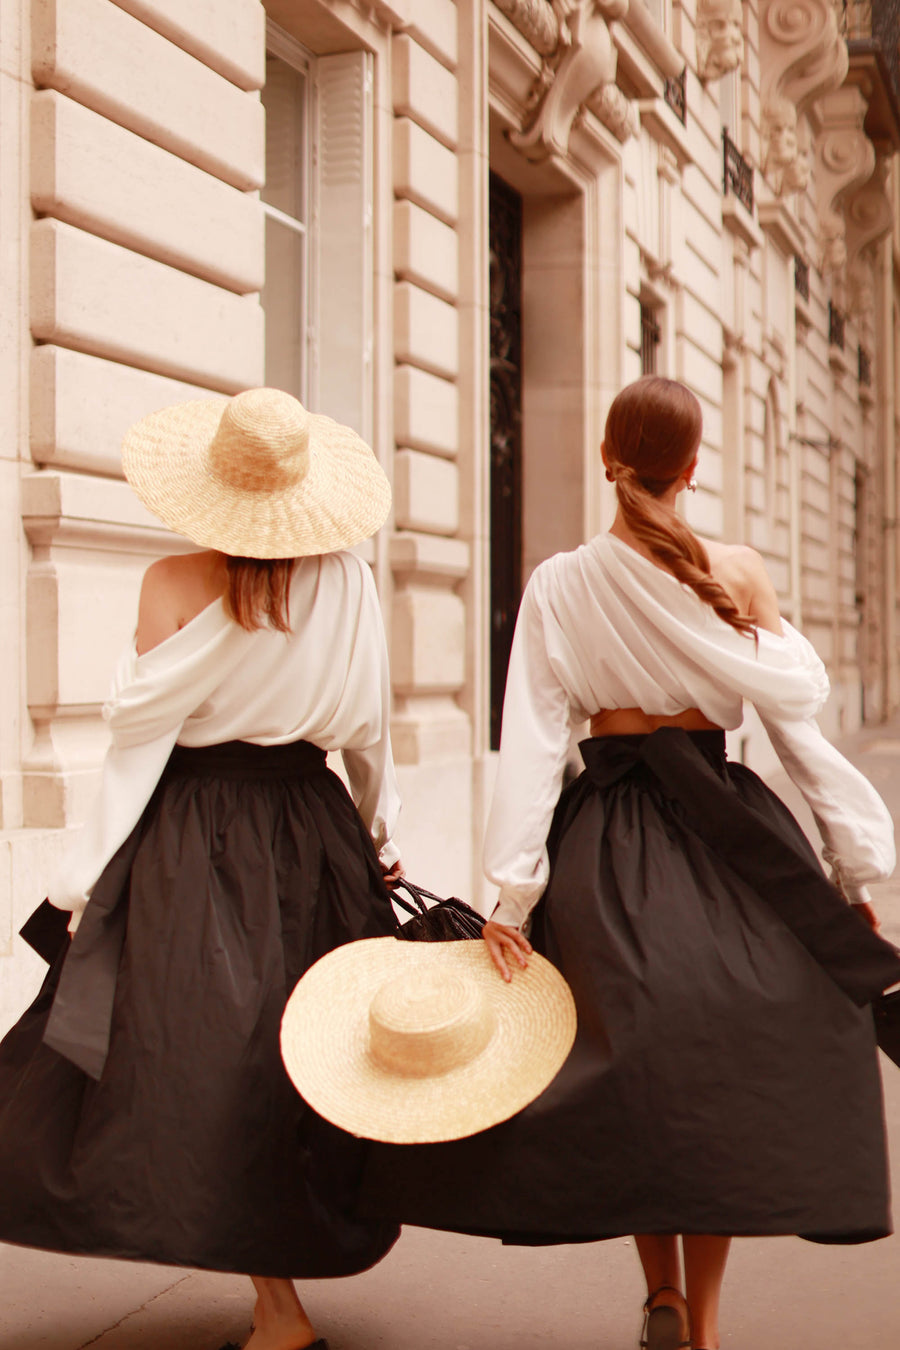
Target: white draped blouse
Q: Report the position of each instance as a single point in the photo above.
(603, 628)
(326, 681)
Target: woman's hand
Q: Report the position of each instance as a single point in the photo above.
(867, 913)
(505, 942)
(393, 874)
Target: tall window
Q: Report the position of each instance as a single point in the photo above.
(287, 98)
(318, 203)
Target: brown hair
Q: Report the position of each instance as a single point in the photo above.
(652, 434)
(257, 591)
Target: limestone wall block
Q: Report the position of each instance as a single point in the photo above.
(229, 36)
(426, 331)
(426, 251)
(428, 641)
(418, 557)
(81, 407)
(105, 300)
(426, 493)
(426, 412)
(425, 172)
(95, 174)
(434, 27)
(424, 90)
(103, 57)
(91, 542)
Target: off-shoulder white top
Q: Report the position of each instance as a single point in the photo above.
(603, 627)
(326, 681)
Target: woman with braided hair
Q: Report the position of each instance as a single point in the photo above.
(724, 1080)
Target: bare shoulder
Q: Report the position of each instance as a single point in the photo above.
(743, 573)
(174, 590)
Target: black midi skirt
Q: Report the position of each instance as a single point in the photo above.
(162, 1126)
(724, 1077)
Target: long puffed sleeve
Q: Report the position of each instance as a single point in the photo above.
(537, 722)
(855, 826)
(371, 774)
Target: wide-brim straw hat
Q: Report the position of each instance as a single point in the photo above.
(257, 476)
(417, 1042)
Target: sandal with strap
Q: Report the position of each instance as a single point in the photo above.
(662, 1325)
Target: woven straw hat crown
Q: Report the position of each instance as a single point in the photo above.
(417, 1042)
(261, 443)
(257, 475)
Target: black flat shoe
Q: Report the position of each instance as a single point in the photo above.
(320, 1344)
(662, 1325)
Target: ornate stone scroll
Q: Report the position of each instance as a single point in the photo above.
(845, 161)
(581, 71)
(802, 58)
(720, 37)
(869, 217)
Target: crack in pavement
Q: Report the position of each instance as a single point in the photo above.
(133, 1313)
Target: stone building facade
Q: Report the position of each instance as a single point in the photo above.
(461, 226)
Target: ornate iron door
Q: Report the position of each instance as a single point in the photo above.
(506, 433)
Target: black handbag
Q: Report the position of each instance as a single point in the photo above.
(886, 1011)
(440, 921)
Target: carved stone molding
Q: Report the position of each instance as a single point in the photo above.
(536, 20)
(616, 111)
(802, 58)
(720, 38)
(869, 217)
(582, 70)
(845, 160)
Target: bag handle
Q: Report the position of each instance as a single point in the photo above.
(418, 895)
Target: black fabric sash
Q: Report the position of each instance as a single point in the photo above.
(80, 1020)
(860, 962)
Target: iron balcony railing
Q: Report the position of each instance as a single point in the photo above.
(738, 172)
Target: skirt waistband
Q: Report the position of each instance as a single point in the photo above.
(241, 759)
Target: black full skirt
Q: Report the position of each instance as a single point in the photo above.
(193, 1148)
(721, 1081)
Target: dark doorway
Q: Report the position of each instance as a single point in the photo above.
(506, 433)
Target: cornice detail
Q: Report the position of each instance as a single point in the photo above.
(581, 71)
(536, 20)
(802, 57)
(845, 161)
(720, 38)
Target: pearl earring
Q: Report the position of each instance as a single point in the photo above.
(692, 485)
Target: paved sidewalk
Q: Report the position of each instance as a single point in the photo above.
(436, 1291)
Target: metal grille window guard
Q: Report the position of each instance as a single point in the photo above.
(801, 278)
(675, 94)
(650, 337)
(836, 322)
(865, 366)
(738, 175)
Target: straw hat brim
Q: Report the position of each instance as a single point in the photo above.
(325, 1042)
(343, 498)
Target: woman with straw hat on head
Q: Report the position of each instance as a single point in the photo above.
(724, 1078)
(144, 1109)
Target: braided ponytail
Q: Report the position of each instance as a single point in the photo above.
(652, 434)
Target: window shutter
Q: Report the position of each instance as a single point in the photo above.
(343, 240)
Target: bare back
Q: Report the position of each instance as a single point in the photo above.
(174, 591)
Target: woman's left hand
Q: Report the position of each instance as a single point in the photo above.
(503, 941)
(867, 913)
(393, 874)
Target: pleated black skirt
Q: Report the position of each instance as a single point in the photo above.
(189, 1145)
(723, 1079)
